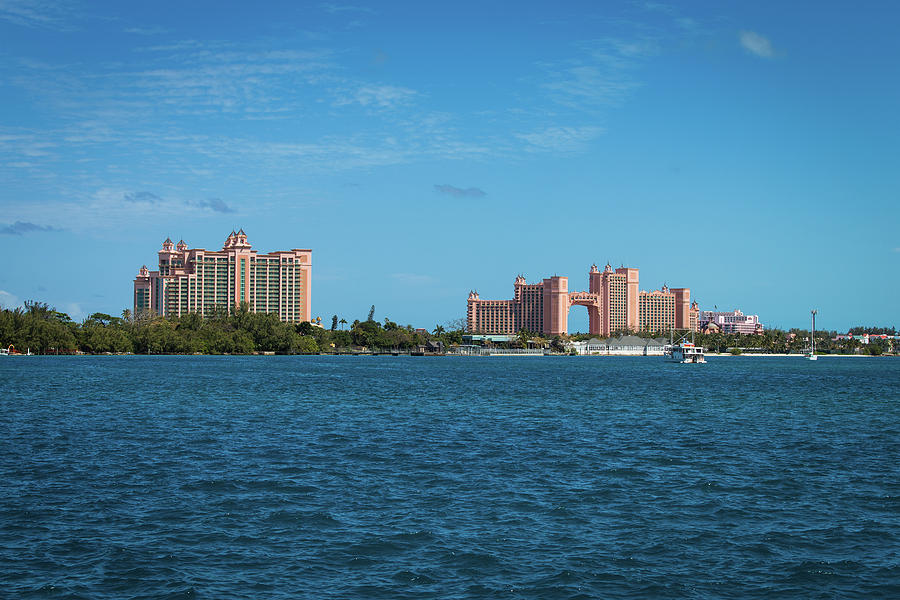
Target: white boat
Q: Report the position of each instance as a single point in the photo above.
(685, 352)
(11, 351)
(811, 353)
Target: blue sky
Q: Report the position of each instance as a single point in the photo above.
(745, 150)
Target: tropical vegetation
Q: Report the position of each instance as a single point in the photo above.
(43, 330)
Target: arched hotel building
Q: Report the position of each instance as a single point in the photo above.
(613, 300)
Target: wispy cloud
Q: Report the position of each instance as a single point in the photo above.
(333, 8)
(152, 120)
(377, 96)
(560, 139)
(602, 74)
(47, 14)
(659, 7)
(147, 30)
(141, 197)
(452, 190)
(23, 227)
(757, 44)
(215, 205)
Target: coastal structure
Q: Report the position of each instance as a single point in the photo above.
(626, 345)
(729, 322)
(194, 280)
(614, 303)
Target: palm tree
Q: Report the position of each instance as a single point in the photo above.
(343, 322)
(438, 330)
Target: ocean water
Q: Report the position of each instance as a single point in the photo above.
(399, 477)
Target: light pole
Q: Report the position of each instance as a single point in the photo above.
(812, 335)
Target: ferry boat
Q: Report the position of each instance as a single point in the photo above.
(685, 352)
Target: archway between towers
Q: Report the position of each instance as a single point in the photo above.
(592, 303)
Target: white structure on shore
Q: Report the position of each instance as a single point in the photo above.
(627, 345)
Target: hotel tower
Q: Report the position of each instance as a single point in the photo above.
(201, 281)
(613, 300)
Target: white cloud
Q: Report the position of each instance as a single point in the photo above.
(9, 301)
(757, 44)
(74, 310)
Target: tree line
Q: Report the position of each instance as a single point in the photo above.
(44, 330)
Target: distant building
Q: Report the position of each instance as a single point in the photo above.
(613, 302)
(194, 280)
(865, 337)
(627, 345)
(729, 322)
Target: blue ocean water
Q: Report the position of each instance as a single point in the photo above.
(398, 477)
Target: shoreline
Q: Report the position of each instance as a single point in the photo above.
(560, 355)
(728, 354)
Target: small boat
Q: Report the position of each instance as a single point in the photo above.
(685, 352)
(811, 353)
(11, 351)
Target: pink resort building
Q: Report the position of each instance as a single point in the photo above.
(201, 281)
(730, 322)
(614, 303)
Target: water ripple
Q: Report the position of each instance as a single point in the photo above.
(362, 477)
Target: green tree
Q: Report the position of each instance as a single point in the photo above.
(875, 348)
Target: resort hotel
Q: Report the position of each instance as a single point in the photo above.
(202, 281)
(729, 322)
(613, 301)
